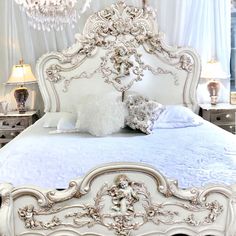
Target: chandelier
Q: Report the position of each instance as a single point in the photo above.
(51, 14)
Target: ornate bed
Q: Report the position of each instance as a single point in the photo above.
(120, 49)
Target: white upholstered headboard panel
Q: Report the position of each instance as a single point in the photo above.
(120, 49)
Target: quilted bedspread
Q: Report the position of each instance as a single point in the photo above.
(194, 156)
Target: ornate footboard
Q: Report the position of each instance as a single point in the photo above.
(118, 199)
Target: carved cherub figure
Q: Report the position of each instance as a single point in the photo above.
(121, 61)
(123, 195)
(27, 214)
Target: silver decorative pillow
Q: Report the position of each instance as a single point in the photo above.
(142, 113)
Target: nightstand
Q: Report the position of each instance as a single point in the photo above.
(14, 123)
(221, 114)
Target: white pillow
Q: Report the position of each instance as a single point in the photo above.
(177, 117)
(51, 119)
(59, 120)
(67, 122)
(101, 115)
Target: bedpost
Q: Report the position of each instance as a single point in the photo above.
(6, 210)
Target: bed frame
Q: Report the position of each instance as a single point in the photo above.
(121, 46)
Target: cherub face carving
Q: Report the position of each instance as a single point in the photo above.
(124, 184)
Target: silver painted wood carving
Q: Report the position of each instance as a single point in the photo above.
(119, 199)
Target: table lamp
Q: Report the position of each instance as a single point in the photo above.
(21, 74)
(213, 71)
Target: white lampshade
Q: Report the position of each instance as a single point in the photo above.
(213, 70)
(21, 74)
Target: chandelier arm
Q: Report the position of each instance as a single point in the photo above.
(51, 14)
(55, 14)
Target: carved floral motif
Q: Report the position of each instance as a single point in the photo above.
(186, 63)
(155, 46)
(53, 74)
(122, 207)
(28, 213)
(215, 210)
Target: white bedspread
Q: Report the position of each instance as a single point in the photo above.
(194, 155)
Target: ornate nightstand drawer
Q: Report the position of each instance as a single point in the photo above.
(14, 123)
(11, 122)
(222, 115)
(7, 134)
(230, 128)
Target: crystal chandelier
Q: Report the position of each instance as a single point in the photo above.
(50, 14)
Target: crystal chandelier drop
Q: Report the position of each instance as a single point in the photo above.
(50, 14)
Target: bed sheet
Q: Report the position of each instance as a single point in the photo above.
(194, 156)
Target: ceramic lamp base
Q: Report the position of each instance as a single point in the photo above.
(21, 94)
(213, 88)
(214, 100)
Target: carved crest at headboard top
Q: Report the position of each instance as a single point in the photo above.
(120, 45)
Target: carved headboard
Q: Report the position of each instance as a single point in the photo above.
(121, 48)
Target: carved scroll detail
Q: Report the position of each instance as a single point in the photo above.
(53, 74)
(122, 208)
(120, 19)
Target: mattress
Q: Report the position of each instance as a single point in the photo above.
(195, 156)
